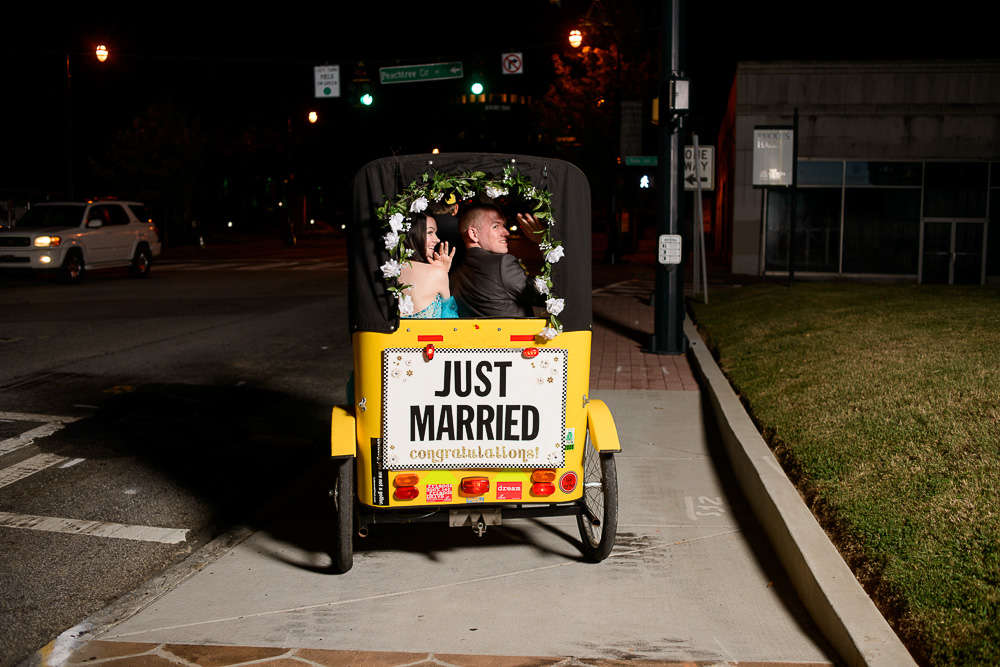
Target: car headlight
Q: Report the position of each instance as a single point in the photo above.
(47, 241)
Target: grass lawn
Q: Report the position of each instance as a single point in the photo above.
(883, 403)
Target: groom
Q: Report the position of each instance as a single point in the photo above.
(490, 282)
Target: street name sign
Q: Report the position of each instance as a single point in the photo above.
(415, 73)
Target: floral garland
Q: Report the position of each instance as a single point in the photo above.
(418, 194)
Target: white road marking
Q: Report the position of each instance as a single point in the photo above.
(265, 267)
(93, 528)
(19, 471)
(70, 464)
(51, 425)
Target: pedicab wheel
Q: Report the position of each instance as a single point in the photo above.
(343, 499)
(600, 499)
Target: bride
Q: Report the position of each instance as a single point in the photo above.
(427, 271)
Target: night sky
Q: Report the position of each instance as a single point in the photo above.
(254, 67)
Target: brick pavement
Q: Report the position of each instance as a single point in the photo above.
(623, 326)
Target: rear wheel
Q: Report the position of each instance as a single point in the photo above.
(141, 263)
(599, 521)
(71, 271)
(343, 499)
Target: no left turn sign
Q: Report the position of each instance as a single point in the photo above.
(512, 63)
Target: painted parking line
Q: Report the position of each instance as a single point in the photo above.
(266, 267)
(93, 528)
(19, 471)
(51, 424)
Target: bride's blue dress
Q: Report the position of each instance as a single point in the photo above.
(439, 309)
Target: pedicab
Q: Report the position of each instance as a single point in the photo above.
(471, 421)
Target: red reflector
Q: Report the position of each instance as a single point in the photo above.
(530, 352)
(568, 481)
(429, 352)
(543, 489)
(425, 339)
(475, 486)
(523, 337)
(407, 493)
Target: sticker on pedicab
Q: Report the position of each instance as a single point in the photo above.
(477, 408)
(569, 440)
(508, 490)
(439, 493)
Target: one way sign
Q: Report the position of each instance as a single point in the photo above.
(706, 165)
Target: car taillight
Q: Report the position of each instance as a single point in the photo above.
(475, 486)
(543, 489)
(407, 493)
(543, 476)
(568, 481)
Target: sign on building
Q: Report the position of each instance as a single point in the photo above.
(773, 156)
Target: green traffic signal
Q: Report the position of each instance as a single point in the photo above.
(367, 99)
(477, 88)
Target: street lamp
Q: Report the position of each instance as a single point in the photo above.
(102, 53)
(575, 38)
(313, 117)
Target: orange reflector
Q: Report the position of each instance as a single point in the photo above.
(568, 481)
(407, 493)
(475, 486)
(543, 489)
(406, 479)
(543, 476)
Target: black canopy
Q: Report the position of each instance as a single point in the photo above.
(372, 306)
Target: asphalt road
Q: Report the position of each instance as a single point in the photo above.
(141, 418)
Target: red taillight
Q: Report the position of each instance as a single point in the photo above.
(475, 486)
(568, 481)
(429, 352)
(407, 493)
(543, 489)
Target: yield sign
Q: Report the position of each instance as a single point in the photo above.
(512, 63)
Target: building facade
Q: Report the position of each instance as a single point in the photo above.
(898, 173)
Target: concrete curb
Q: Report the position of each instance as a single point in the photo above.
(836, 601)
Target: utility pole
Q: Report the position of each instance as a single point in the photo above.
(668, 299)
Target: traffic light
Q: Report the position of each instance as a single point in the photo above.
(476, 88)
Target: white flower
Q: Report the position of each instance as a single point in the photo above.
(391, 240)
(405, 304)
(541, 286)
(493, 192)
(396, 222)
(418, 205)
(390, 269)
(552, 221)
(548, 333)
(554, 255)
(554, 306)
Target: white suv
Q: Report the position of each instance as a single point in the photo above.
(72, 237)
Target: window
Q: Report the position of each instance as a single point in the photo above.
(955, 190)
(817, 230)
(881, 230)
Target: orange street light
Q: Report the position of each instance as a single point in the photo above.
(102, 53)
(313, 117)
(575, 38)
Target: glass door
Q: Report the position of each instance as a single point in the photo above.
(952, 253)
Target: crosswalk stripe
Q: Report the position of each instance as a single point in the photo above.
(93, 528)
(26, 468)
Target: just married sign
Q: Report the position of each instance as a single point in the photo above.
(482, 408)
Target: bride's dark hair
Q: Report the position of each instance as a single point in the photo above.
(416, 238)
